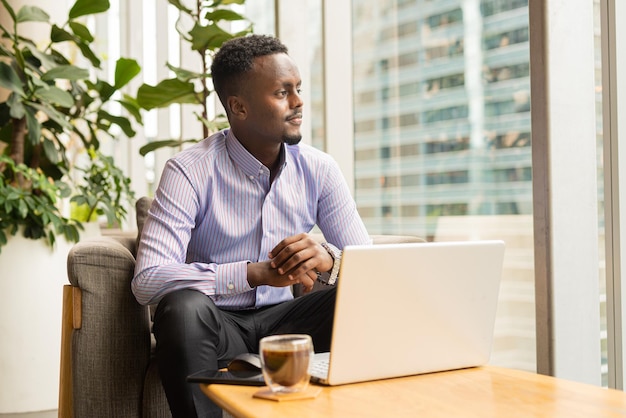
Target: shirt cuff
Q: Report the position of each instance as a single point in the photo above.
(232, 278)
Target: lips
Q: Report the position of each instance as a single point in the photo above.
(297, 118)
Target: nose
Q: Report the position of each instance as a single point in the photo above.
(296, 100)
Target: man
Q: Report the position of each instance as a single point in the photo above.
(227, 233)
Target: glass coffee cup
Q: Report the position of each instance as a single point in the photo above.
(285, 361)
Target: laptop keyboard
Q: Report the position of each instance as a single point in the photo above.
(319, 365)
(320, 368)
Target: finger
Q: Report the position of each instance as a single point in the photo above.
(286, 252)
(284, 243)
(311, 256)
(312, 275)
(307, 281)
(300, 262)
(295, 255)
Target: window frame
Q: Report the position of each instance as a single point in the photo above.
(614, 94)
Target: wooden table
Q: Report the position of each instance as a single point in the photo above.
(476, 392)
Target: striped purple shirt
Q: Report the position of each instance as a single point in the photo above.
(215, 210)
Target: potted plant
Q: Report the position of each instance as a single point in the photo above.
(204, 29)
(103, 191)
(52, 103)
(52, 107)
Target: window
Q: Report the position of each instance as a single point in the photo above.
(507, 38)
(463, 136)
(492, 7)
(445, 18)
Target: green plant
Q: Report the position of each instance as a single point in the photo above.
(204, 36)
(33, 208)
(103, 191)
(53, 102)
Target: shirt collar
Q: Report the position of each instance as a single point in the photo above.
(246, 161)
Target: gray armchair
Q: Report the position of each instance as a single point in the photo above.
(107, 364)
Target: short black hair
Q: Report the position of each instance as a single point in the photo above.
(236, 57)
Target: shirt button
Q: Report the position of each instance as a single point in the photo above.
(251, 178)
(231, 286)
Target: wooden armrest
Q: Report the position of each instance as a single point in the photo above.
(70, 320)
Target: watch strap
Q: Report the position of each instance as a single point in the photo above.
(335, 253)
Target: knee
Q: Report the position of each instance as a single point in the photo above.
(182, 309)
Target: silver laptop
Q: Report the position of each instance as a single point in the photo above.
(406, 309)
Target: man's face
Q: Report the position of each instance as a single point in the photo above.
(272, 98)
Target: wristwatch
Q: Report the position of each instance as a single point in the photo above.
(335, 253)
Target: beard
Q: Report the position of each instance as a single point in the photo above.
(292, 139)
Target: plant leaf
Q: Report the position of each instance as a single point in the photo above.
(9, 79)
(55, 95)
(185, 75)
(31, 14)
(243, 32)
(52, 114)
(3, 49)
(81, 31)
(125, 70)
(47, 61)
(218, 123)
(208, 37)
(50, 150)
(179, 5)
(88, 7)
(66, 72)
(22, 208)
(88, 53)
(38, 82)
(132, 107)
(120, 121)
(165, 93)
(33, 125)
(225, 2)
(60, 35)
(104, 89)
(151, 146)
(223, 14)
(16, 106)
(92, 140)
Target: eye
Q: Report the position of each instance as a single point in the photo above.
(299, 90)
(282, 93)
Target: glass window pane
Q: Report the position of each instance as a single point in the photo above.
(263, 14)
(316, 66)
(442, 137)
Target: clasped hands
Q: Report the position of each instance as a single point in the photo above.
(296, 259)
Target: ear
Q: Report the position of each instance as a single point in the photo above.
(237, 107)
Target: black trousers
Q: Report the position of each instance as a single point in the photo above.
(193, 334)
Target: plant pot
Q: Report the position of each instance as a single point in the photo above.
(31, 289)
